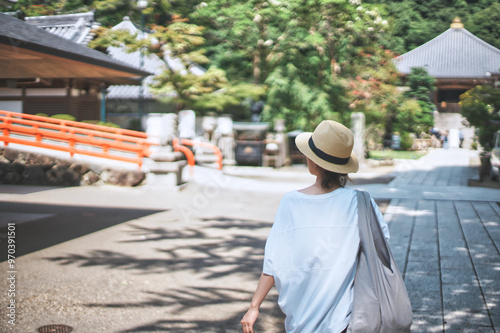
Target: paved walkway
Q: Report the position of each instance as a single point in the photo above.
(446, 239)
(153, 259)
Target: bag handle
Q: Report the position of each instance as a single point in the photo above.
(368, 225)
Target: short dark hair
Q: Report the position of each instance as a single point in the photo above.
(330, 179)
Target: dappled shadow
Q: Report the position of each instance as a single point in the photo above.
(204, 250)
(215, 249)
(141, 234)
(185, 299)
(202, 299)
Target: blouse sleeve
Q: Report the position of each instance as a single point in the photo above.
(271, 243)
(268, 256)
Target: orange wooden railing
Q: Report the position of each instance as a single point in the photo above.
(75, 124)
(74, 137)
(180, 145)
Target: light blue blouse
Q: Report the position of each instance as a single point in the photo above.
(311, 252)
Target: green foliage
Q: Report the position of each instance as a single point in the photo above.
(42, 114)
(480, 106)
(182, 40)
(179, 39)
(106, 37)
(101, 123)
(64, 117)
(231, 100)
(37, 7)
(421, 84)
(373, 91)
(234, 25)
(406, 119)
(415, 22)
(241, 34)
(406, 141)
(188, 88)
(417, 118)
(111, 12)
(327, 63)
(485, 24)
(396, 154)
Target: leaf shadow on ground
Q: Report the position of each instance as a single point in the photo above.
(186, 300)
(201, 250)
(214, 249)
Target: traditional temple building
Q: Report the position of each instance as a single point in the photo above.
(42, 72)
(459, 61)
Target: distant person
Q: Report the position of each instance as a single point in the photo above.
(444, 140)
(311, 252)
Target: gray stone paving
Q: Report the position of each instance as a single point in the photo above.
(445, 239)
(191, 263)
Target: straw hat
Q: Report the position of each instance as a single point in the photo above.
(330, 147)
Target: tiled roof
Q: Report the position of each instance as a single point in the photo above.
(16, 32)
(74, 27)
(152, 64)
(456, 53)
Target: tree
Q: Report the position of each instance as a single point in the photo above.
(480, 106)
(407, 117)
(323, 54)
(421, 86)
(240, 35)
(181, 40)
(374, 90)
(486, 25)
(415, 22)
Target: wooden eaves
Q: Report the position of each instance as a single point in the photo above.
(27, 52)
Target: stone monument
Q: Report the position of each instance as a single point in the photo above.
(358, 129)
(187, 124)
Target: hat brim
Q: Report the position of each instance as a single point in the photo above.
(302, 142)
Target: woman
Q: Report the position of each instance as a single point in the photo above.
(311, 252)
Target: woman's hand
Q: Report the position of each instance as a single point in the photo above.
(249, 320)
(266, 282)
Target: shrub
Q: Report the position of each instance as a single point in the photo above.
(406, 141)
(64, 117)
(101, 123)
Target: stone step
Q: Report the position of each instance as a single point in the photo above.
(167, 156)
(166, 167)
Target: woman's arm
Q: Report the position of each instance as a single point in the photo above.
(266, 282)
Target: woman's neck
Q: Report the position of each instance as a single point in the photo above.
(317, 189)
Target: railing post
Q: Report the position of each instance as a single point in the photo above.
(6, 130)
(186, 151)
(72, 143)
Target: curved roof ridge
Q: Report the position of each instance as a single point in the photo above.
(455, 53)
(477, 39)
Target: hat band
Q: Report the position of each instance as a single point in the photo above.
(327, 157)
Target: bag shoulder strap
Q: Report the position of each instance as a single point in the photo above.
(370, 231)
